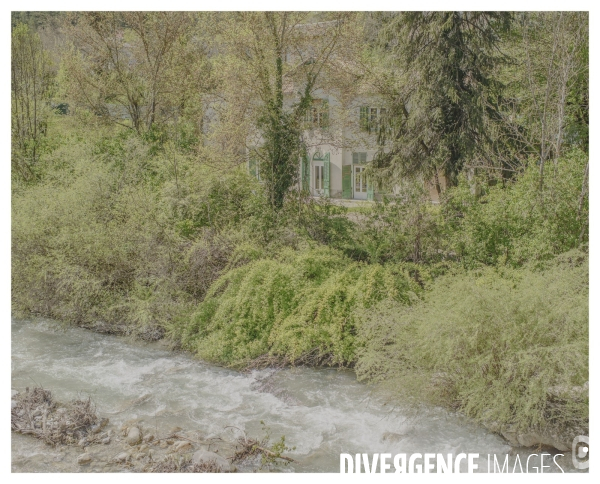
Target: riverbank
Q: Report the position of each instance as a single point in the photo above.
(320, 412)
(136, 447)
(446, 345)
(133, 383)
(76, 428)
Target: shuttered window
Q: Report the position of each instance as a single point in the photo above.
(347, 181)
(326, 177)
(370, 118)
(317, 115)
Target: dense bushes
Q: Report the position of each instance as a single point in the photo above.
(501, 345)
(299, 303)
(464, 304)
(518, 223)
(110, 236)
(483, 221)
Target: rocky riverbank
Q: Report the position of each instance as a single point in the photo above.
(86, 439)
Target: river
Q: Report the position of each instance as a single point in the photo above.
(322, 412)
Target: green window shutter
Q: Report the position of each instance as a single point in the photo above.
(347, 181)
(370, 190)
(364, 118)
(370, 187)
(326, 166)
(253, 167)
(325, 114)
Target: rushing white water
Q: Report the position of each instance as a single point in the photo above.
(321, 412)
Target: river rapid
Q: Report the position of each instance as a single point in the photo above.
(322, 412)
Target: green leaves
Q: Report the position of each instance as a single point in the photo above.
(516, 224)
(301, 303)
(490, 343)
(447, 60)
(31, 83)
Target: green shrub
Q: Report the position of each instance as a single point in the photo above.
(299, 303)
(517, 223)
(403, 228)
(101, 238)
(492, 344)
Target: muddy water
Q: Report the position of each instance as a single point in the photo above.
(321, 412)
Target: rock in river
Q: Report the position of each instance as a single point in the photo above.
(84, 459)
(182, 445)
(134, 436)
(121, 458)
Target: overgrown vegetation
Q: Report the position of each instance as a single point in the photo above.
(499, 344)
(298, 304)
(154, 228)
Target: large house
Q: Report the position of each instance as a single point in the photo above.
(340, 135)
(338, 152)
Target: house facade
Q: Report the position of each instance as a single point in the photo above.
(340, 137)
(335, 163)
(340, 141)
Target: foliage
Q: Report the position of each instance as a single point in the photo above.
(498, 345)
(318, 219)
(401, 228)
(545, 106)
(134, 68)
(516, 223)
(111, 240)
(449, 60)
(271, 454)
(261, 56)
(150, 225)
(294, 305)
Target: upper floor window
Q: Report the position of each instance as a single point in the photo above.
(371, 118)
(317, 115)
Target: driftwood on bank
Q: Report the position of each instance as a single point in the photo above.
(35, 412)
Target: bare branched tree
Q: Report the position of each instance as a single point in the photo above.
(30, 90)
(135, 68)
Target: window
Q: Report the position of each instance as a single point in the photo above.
(319, 185)
(373, 119)
(360, 181)
(317, 115)
(370, 118)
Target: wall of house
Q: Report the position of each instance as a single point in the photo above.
(341, 139)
